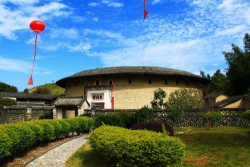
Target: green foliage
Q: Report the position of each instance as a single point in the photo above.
(53, 89)
(113, 119)
(18, 137)
(157, 126)
(7, 102)
(74, 125)
(238, 70)
(246, 115)
(184, 99)
(65, 127)
(85, 124)
(158, 101)
(7, 88)
(213, 117)
(145, 114)
(139, 148)
(41, 90)
(174, 116)
(5, 145)
(48, 130)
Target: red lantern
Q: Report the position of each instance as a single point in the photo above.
(37, 26)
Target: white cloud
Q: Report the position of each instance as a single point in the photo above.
(93, 4)
(63, 33)
(19, 18)
(232, 31)
(156, 1)
(8, 64)
(110, 3)
(95, 19)
(229, 5)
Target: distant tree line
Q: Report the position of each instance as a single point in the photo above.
(236, 79)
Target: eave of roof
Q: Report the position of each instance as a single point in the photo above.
(28, 96)
(228, 101)
(131, 70)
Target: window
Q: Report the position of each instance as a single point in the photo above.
(187, 84)
(86, 83)
(110, 82)
(150, 81)
(166, 82)
(177, 83)
(97, 82)
(96, 97)
(129, 81)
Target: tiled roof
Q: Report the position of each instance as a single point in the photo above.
(28, 96)
(69, 101)
(213, 95)
(132, 70)
(228, 101)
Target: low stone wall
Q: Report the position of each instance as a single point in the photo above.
(194, 118)
(16, 114)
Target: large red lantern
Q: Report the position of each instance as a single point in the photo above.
(37, 26)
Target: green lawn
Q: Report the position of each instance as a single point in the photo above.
(220, 146)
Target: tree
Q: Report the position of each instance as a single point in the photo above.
(238, 71)
(26, 90)
(158, 101)
(184, 99)
(7, 88)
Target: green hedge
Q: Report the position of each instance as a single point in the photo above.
(18, 137)
(125, 147)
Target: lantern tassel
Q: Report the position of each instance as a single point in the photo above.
(30, 82)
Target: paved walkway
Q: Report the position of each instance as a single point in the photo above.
(58, 156)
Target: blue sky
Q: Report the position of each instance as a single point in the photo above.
(84, 34)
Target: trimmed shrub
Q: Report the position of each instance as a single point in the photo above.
(246, 115)
(156, 126)
(140, 148)
(145, 114)
(5, 145)
(85, 124)
(48, 130)
(57, 127)
(74, 125)
(65, 127)
(37, 129)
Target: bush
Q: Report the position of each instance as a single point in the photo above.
(57, 127)
(213, 117)
(85, 124)
(174, 116)
(65, 127)
(109, 119)
(156, 126)
(48, 130)
(125, 147)
(5, 145)
(74, 125)
(246, 115)
(7, 102)
(145, 114)
(36, 128)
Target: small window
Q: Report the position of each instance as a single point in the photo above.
(97, 97)
(166, 82)
(110, 82)
(177, 83)
(97, 82)
(129, 81)
(150, 81)
(86, 83)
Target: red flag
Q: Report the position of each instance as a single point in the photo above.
(145, 13)
(30, 82)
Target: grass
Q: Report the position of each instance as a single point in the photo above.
(220, 146)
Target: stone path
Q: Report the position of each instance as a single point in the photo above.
(58, 156)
